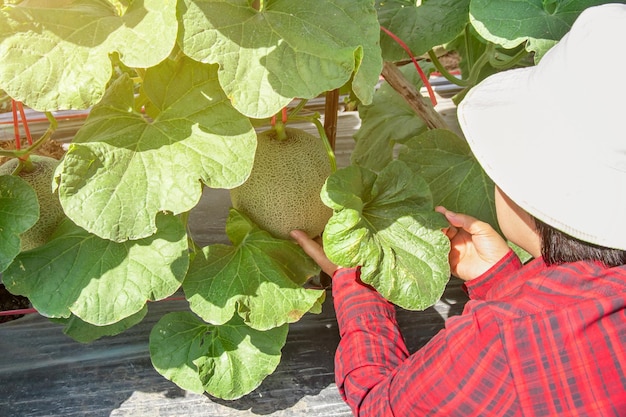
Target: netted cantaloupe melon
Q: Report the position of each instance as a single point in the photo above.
(39, 175)
(283, 190)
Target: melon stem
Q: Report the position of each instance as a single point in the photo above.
(279, 127)
(329, 148)
(25, 165)
(322, 132)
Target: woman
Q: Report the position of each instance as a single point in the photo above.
(543, 339)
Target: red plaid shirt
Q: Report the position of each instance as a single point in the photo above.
(532, 341)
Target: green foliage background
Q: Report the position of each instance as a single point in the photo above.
(175, 92)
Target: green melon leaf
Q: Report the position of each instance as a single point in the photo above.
(84, 332)
(540, 22)
(386, 223)
(289, 49)
(258, 278)
(100, 281)
(19, 211)
(176, 342)
(420, 26)
(387, 121)
(455, 178)
(226, 361)
(127, 168)
(55, 54)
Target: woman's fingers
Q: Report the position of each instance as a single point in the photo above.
(470, 224)
(310, 246)
(475, 246)
(314, 250)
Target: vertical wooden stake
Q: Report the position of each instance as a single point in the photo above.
(331, 109)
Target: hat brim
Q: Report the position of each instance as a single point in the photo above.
(554, 149)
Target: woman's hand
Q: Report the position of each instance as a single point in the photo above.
(474, 245)
(313, 248)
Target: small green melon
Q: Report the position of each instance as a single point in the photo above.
(283, 190)
(50, 210)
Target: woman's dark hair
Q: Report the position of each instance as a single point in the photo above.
(558, 247)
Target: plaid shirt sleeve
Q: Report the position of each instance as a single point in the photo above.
(538, 341)
(479, 287)
(376, 376)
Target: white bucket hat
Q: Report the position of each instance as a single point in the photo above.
(553, 136)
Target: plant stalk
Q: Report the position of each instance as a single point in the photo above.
(510, 62)
(327, 145)
(398, 82)
(482, 60)
(298, 108)
(444, 72)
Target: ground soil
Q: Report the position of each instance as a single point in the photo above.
(450, 61)
(9, 302)
(50, 148)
